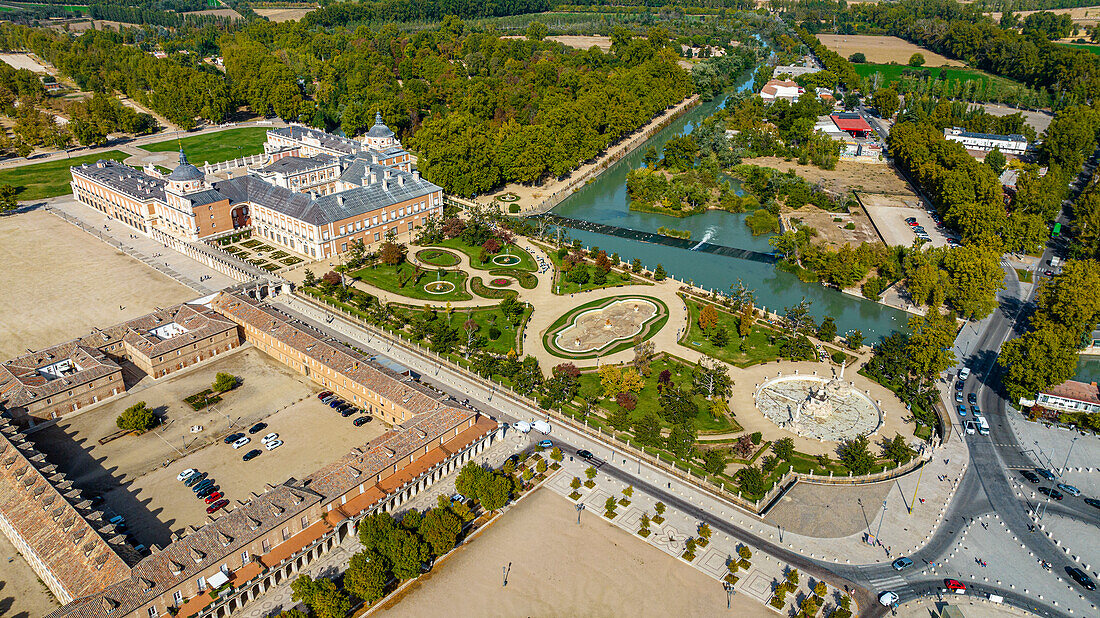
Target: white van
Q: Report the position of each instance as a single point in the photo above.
(541, 426)
(522, 426)
(964, 373)
(983, 426)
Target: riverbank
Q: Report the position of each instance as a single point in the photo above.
(542, 198)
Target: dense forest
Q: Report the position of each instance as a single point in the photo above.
(346, 13)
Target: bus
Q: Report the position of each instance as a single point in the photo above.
(1057, 231)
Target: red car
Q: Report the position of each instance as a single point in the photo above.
(323, 394)
(217, 505)
(955, 586)
(214, 497)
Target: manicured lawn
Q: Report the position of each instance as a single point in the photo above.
(216, 146)
(437, 257)
(648, 330)
(563, 287)
(1023, 274)
(403, 280)
(648, 399)
(50, 178)
(754, 349)
(485, 318)
(526, 262)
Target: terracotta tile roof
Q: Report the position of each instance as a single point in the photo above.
(1079, 391)
(23, 381)
(76, 544)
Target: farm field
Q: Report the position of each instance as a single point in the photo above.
(1082, 15)
(216, 146)
(278, 15)
(882, 49)
(1092, 49)
(575, 41)
(51, 178)
(892, 72)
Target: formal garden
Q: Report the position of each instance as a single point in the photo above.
(605, 326)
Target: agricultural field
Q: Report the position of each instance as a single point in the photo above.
(1081, 16)
(882, 49)
(1092, 49)
(279, 15)
(892, 73)
(216, 146)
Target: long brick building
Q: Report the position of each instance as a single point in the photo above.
(254, 544)
(49, 383)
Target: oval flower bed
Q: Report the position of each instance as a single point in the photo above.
(500, 282)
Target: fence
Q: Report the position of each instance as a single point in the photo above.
(609, 440)
(258, 159)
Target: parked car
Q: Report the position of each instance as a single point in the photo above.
(203, 485)
(964, 373)
(207, 492)
(362, 420)
(183, 476)
(241, 442)
(585, 454)
(955, 586)
(323, 394)
(335, 403)
(1079, 576)
(1030, 476)
(975, 410)
(958, 397)
(1069, 489)
(902, 563)
(1093, 502)
(194, 479)
(327, 399)
(217, 505)
(455, 499)
(257, 428)
(546, 444)
(269, 437)
(961, 409)
(1047, 474)
(346, 412)
(959, 385)
(274, 444)
(233, 437)
(253, 454)
(1050, 491)
(910, 219)
(214, 497)
(972, 398)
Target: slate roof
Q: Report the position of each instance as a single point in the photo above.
(124, 179)
(292, 165)
(204, 197)
(379, 129)
(326, 140)
(185, 171)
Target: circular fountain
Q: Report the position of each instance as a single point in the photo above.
(828, 409)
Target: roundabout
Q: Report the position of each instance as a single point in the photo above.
(439, 287)
(604, 326)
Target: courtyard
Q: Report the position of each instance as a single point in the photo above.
(51, 297)
(136, 475)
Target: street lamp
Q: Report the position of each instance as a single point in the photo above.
(882, 517)
(580, 507)
(1066, 462)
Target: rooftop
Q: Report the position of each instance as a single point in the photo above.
(124, 178)
(1071, 389)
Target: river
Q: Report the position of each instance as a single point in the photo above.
(604, 200)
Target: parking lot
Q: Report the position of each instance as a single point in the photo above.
(130, 472)
(889, 214)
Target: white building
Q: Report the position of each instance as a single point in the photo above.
(1008, 144)
(780, 89)
(1071, 396)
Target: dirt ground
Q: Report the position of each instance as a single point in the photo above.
(22, 595)
(889, 213)
(848, 176)
(882, 49)
(1038, 120)
(558, 568)
(129, 471)
(1083, 16)
(281, 15)
(829, 511)
(59, 282)
(832, 233)
(24, 61)
(576, 41)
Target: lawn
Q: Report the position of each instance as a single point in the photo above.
(892, 73)
(436, 257)
(1092, 49)
(526, 263)
(216, 146)
(614, 278)
(51, 178)
(485, 318)
(405, 281)
(756, 348)
(652, 327)
(648, 400)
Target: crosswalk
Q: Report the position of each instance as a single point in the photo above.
(883, 583)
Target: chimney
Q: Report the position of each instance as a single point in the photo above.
(416, 174)
(385, 184)
(401, 181)
(373, 178)
(387, 172)
(339, 200)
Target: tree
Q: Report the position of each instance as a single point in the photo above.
(708, 317)
(310, 280)
(897, 449)
(931, 343)
(744, 447)
(857, 58)
(537, 31)
(745, 320)
(856, 456)
(854, 339)
(322, 596)
(713, 461)
(7, 198)
(137, 418)
(798, 318)
(681, 440)
(659, 509)
(224, 382)
(1037, 360)
(783, 448)
(751, 480)
(440, 528)
(390, 251)
(659, 273)
(556, 454)
(366, 578)
(886, 101)
(996, 160)
(720, 337)
(575, 483)
(711, 377)
(827, 331)
(591, 473)
(916, 60)
(704, 531)
(609, 504)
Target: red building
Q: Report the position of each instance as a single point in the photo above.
(851, 123)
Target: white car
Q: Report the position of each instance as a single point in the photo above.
(269, 437)
(888, 599)
(274, 444)
(964, 373)
(241, 442)
(186, 474)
